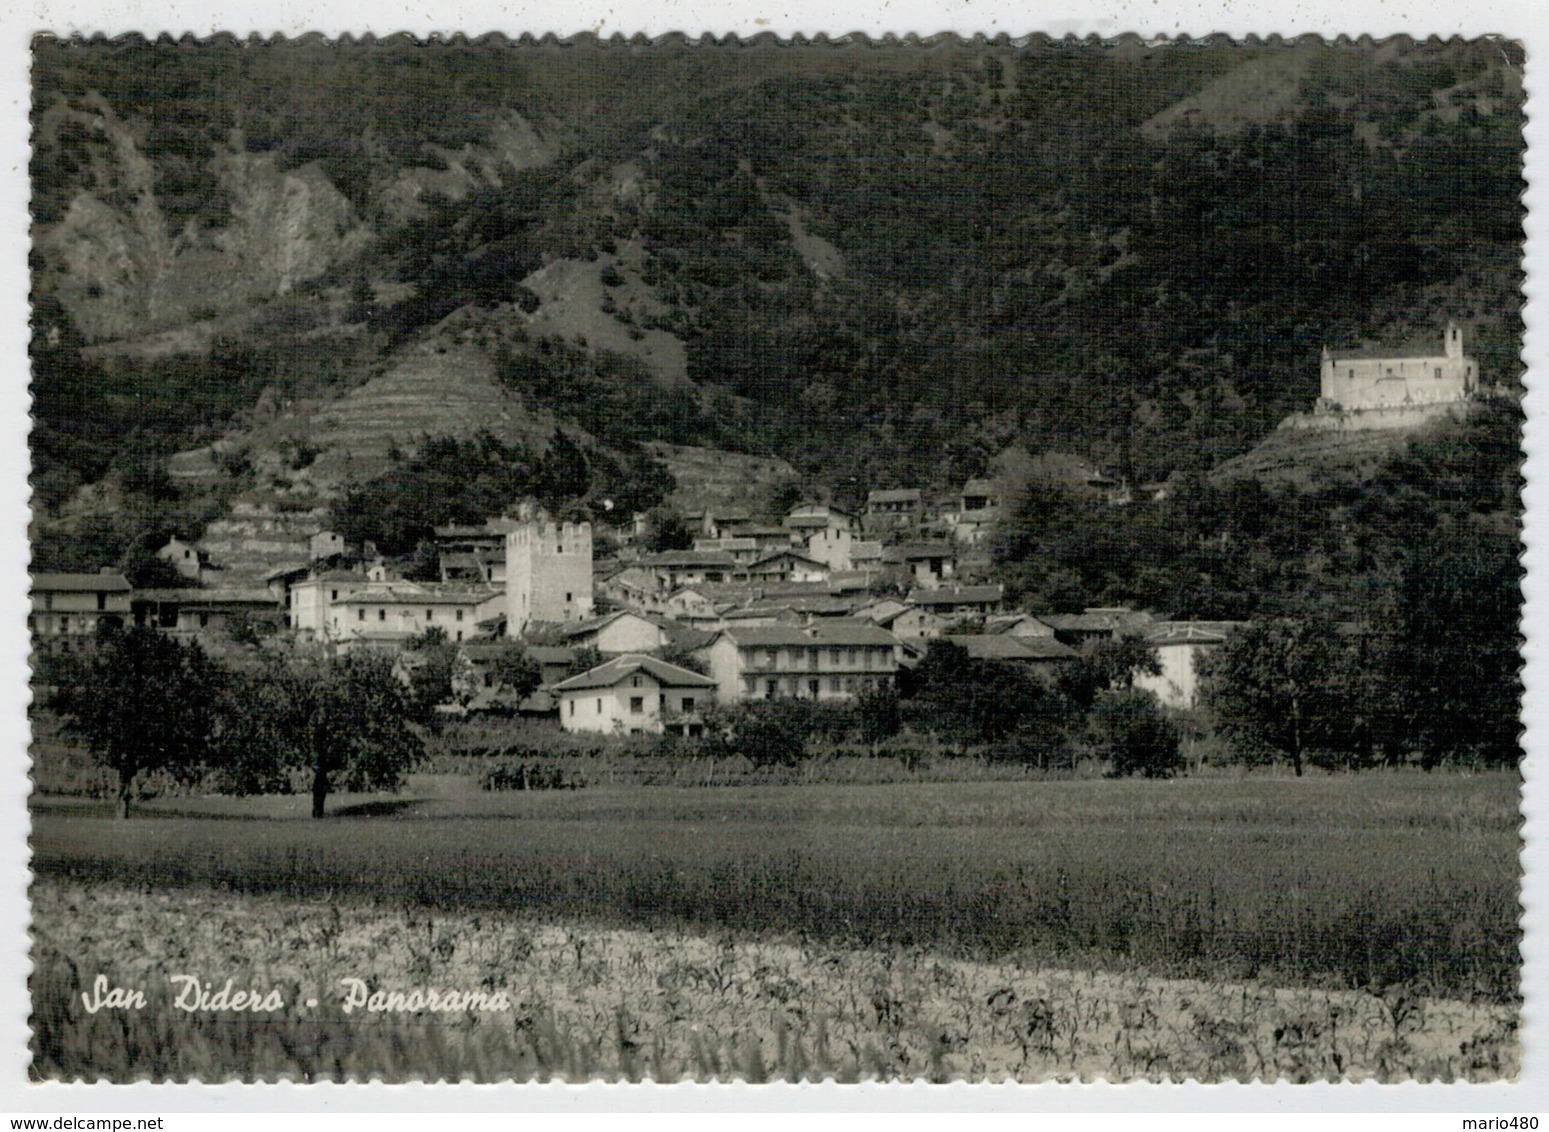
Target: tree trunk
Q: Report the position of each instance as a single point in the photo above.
(319, 791)
(1296, 737)
(125, 784)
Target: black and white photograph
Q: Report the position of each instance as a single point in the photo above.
(770, 559)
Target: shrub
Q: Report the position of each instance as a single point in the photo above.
(529, 774)
(1131, 728)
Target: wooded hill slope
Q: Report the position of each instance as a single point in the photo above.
(881, 264)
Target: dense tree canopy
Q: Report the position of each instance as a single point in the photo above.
(142, 701)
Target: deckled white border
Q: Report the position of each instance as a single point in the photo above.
(1524, 20)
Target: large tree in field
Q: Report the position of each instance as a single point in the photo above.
(1277, 687)
(344, 720)
(142, 701)
(967, 701)
(1457, 654)
(431, 676)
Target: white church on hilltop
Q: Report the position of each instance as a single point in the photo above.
(1387, 378)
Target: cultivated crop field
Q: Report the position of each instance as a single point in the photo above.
(1357, 925)
(586, 1002)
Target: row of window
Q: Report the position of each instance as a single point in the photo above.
(1468, 372)
(769, 658)
(637, 705)
(48, 601)
(813, 686)
(381, 614)
(84, 623)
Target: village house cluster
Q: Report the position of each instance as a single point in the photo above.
(823, 605)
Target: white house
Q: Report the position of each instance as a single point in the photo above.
(635, 694)
(187, 559)
(389, 613)
(1393, 378)
(309, 599)
(616, 633)
(819, 662)
(1179, 646)
(832, 546)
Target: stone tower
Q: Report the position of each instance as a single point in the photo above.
(1454, 342)
(548, 573)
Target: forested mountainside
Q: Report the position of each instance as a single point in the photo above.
(883, 264)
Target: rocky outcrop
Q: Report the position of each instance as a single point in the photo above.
(121, 268)
(286, 227)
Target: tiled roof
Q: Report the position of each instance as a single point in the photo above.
(1190, 632)
(378, 593)
(1010, 622)
(1415, 348)
(572, 629)
(775, 636)
(679, 634)
(958, 595)
(492, 528)
(794, 555)
(543, 654)
(908, 551)
(733, 593)
(615, 670)
(997, 646)
(686, 559)
(1105, 620)
(816, 604)
(339, 576)
(114, 583)
(230, 596)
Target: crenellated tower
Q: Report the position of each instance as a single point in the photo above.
(548, 573)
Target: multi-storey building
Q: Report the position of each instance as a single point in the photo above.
(821, 662)
(390, 613)
(72, 606)
(548, 573)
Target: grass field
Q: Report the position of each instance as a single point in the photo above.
(1371, 881)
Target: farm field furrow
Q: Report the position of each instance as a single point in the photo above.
(1356, 882)
(584, 1002)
